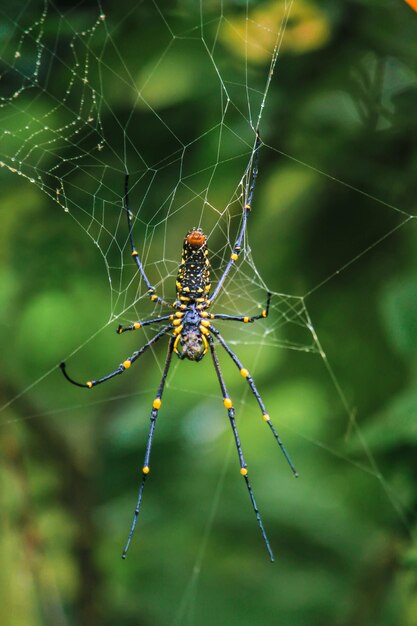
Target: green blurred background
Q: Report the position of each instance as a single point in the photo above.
(333, 225)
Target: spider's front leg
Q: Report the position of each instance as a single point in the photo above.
(121, 368)
(245, 373)
(243, 467)
(156, 405)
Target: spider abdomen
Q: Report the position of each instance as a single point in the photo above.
(193, 280)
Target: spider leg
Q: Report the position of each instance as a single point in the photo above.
(253, 165)
(145, 469)
(122, 367)
(244, 372)
(151, 290)
(241, 318)
(136, 325)
(243, 467)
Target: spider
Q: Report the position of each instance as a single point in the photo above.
(192, 334)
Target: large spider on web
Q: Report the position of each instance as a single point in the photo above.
(192, 334)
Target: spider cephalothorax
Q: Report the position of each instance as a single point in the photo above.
(192, 345)
(192, 333)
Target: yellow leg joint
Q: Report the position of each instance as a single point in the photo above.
(206, 347)
(136, 325)
(244, 372)
(154, 297)
(89, 384)
(246, 319)
(263, 313)
(146, 469)
(205, 323)
(243, 471)
(266, 417)
(127, 364)
(176, 344)
(176, 322)
(156, 404)
(234, 256)
(227, 403)
(134, 253)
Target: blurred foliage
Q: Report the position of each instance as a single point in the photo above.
(307, 28)
(337, 175)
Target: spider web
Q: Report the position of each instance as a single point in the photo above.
(77, 115)
(100, 149)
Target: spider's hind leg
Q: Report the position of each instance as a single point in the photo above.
(250, 176)
(244, 318)
(136, 325)
(135, 254)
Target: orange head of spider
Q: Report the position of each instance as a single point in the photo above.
(195, 238)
